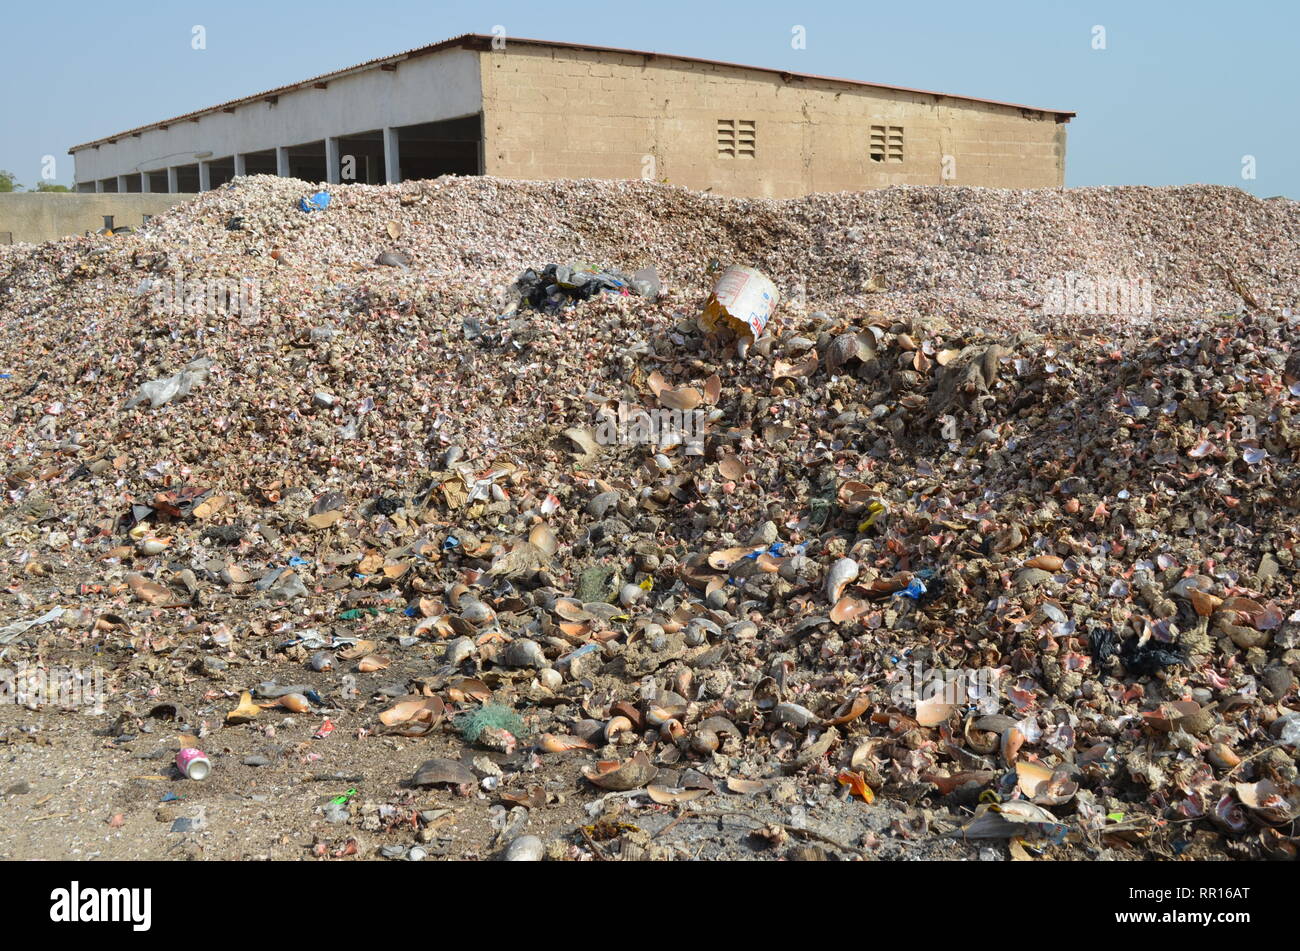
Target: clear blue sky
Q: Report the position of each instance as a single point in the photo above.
(1180, 94)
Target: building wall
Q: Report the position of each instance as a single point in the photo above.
(555, 113)
(45, 216)
(424, 89)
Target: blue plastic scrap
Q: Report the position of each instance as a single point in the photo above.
(313, 203)
(914, 590)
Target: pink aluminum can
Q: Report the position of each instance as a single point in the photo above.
(193, 764)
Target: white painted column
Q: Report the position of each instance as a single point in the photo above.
(173, 180)
(332, 168)
(205, 176)
(282, 161)
(99, 185)
(121, 184)
(392, 161)
(144, 182)
(240, 169)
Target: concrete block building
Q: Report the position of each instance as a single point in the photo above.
(535, 109)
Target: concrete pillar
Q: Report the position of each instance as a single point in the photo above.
(392, 161)
(205, 176)
(239, 165)
(332, 168)
(121, 184)
(99, 185)
(173, 180)
(282, 161)
(144, 182)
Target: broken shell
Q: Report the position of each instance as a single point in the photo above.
(555, 743)
(1269, 802)
(582, 443)
(1205, 604)
(475, 611)
(246, 710)
(542, 537)
(322, 660)
(438, 772)
(792, 714)
(932, 712)
(458, 651)
(671, 731)
(621, 777)
(841, 573)
(849, 609)
(523, 652)
(849, 348)
(615, 726)
(550, 678)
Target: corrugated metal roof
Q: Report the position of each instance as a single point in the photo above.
(484, 41)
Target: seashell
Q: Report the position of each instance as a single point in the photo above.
(615, 726)
(934, 711)
(475, 611)
(621, 777)
(443, 772)
(978, 738)
(600, 505)
(704, 742)
(582, 443)
(1269, 802)
(295, 702)
(550, 678)
(843, 571)
(850, 348)
(526, 848)
(542, 537)
(1204, 604)
(657, 714)
(1046, 563)
(322, 660)
(458, 651)
(416, 716)
(373, 662)
(555, 743)
(671, 796)
(153, 545)
(1228, 814)
(792, 714)
(849, 609)
(523, 652)
(630, 594)
(686, 398)
(672, 731)
(246, 710)
(1222, 756)
(730, 467)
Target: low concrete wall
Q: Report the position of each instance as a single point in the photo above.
(44, 216)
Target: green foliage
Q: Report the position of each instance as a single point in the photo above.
(51, 187)
(472, 725)
(7, 183)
